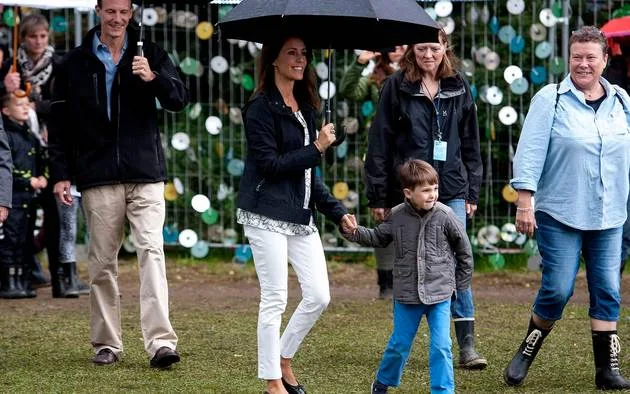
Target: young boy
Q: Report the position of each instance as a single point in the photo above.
(27, 180)
(433, 259)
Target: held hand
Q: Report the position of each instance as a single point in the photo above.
(62, 192)
(34, 183)
(326, 136)
(12, 82)
(140, 67)
(525, 220)
(4, 213)
(470, 209)
(43, 182)
(366, 56)
(348, 223)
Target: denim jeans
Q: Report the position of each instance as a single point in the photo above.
(462, 307)
(68, 230)
(406, 322)
(560, 247)
(625, 240)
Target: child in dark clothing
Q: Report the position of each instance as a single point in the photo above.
(27, 180)
(433, 259)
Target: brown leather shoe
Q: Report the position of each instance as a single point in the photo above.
(104, 357)
(164, 358)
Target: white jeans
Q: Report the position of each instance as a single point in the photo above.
(271, 252)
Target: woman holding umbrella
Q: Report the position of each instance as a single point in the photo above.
(278, 198)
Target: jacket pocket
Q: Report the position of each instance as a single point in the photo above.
(95, 82)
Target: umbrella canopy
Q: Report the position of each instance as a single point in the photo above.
(341, 24)
(619, 27)
(50, 4)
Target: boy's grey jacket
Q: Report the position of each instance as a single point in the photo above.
(433, 253)
(6, 168)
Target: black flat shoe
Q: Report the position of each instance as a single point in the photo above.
(299, 389)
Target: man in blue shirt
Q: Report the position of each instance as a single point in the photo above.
(104, 135)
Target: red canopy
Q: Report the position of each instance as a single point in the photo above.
(619, 27)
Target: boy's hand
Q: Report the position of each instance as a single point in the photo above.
(348, 223)
(43, 182)
(4, 213)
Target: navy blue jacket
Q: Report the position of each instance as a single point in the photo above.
(28, 161)
(90, 148)
(272, 184)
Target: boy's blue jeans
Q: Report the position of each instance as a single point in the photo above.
(406, 321)
(560, 247)
(462, 308)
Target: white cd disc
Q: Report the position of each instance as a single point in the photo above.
(512, 73)
(443, 8)
(515, 7)
(480, 55)
(149, 17)
(200, 203)
(219, 64)
(321, 69)
(179, 185)
(195, 111)
(213, 125)
(508, 232)
(494, 95)
(547, 17)
(508, 115)
(492, 61)
(180, 141)
(447, 24)
(323, 90)
(187, 238)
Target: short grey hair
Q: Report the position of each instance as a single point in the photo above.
(589, 34)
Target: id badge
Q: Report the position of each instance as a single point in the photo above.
(439, 150)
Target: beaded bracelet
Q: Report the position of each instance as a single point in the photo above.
(524, 209)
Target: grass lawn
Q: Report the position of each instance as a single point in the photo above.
(44, 343)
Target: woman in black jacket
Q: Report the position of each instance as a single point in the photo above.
(426, 112)
(278, 198)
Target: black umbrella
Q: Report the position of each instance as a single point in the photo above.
(340, 24)
(160, 2)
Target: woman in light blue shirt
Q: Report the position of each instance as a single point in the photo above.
(574, 157)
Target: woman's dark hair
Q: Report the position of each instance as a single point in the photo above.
(304, 90)
(447, 68)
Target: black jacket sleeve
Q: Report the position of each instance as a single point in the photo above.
(167, 85)
(6, 178)
(58, 130)
(470, 149)
(381, 140)
(262, 143)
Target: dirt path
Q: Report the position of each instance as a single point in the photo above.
(230, 287)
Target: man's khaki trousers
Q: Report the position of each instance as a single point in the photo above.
(106, 208)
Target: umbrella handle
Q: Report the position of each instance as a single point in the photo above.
(140, 49)
(341, 134)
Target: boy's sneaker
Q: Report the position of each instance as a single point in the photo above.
(378, 387)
